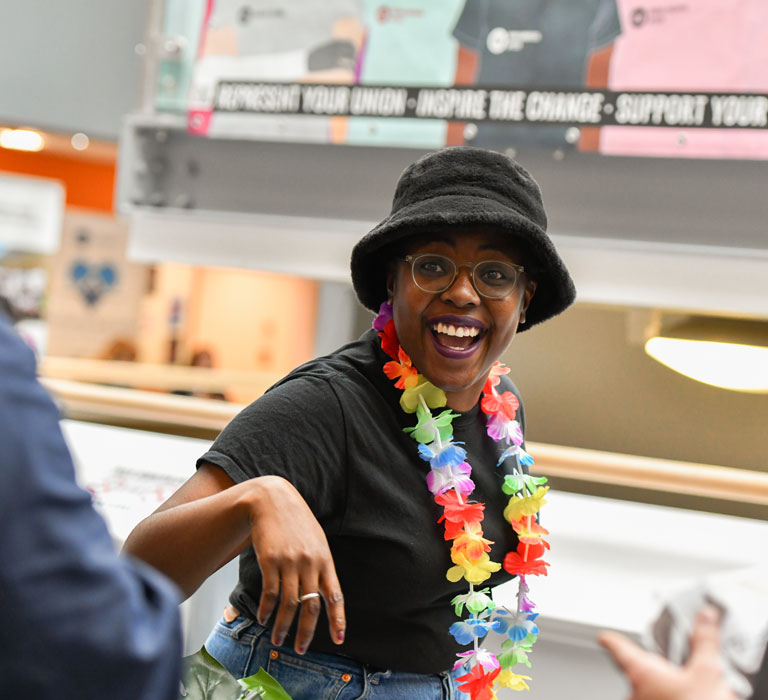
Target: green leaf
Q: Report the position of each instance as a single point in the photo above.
(266, 686)
(476, 602)
(433, 396)
(512, 484)
(516, 655)
(428, 428)
(204, 678)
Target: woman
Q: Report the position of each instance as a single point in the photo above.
(320, 484)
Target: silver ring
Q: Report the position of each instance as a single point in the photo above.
(307, 596)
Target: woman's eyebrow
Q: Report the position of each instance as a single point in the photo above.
(443, 239)
(495, 248)
(436, 239)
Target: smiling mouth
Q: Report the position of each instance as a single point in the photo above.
(456, 337)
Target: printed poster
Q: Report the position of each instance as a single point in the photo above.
(95, 292)
(679, 79)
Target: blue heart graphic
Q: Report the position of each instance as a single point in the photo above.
(92, 280)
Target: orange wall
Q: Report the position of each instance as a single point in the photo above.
(89, 184)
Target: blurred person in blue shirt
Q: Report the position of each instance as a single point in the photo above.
(76, 619)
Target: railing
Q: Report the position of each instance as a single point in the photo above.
(81, 400)
(707, 480)
(157, 376)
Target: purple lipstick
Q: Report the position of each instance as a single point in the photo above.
(456, 337)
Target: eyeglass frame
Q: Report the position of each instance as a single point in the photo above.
(410, 259)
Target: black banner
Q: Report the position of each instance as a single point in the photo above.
(513, 105)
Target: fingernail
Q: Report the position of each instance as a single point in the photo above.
(262, 620)
(279, 639)
(301, 649)
(340, 637)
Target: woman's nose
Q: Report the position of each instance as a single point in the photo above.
(462, 291)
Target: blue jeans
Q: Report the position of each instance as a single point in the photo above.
(243, 646)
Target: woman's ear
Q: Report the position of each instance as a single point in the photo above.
(530, 289)
(391, 277)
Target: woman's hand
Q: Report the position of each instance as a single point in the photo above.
(295, 560)
(652, 677)
(210, 520)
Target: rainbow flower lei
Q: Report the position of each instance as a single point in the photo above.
(449, 480)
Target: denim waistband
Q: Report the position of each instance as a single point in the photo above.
(244, 631)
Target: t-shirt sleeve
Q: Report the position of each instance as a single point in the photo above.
(296, 431)
(606, 25)
(469, 27)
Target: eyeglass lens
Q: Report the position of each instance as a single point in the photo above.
(435, 273)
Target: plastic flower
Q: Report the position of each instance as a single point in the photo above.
(478, 683)
(516, 625)
(517, 482)
(403, 371)
(472, 542)
(527, 559)
(519, 507)
(433, 396)
(481, 656)
(456, 511)
(523, 458)
(528, 530)
(516, 564)
(474, 572)
(475, 601)
(499, 427)
(512, 680)
(514, 653)
(532, 550)
(441, 479)
(523, 601)
(506, 403)
(389, 342)
(442, 455)
(494, 377)
(467, 631)
(428, 428)
(383, 317)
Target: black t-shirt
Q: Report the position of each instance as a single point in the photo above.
(533, 43)
(334, 429)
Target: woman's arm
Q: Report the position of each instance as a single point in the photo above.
(210, 519)
(467, 62)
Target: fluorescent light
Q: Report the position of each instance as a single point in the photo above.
(723, 353)
(21, 139)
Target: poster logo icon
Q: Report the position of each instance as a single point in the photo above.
(500, 39)
(92, 281)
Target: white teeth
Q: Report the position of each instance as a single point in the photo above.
(458, 331)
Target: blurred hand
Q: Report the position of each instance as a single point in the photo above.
(653, 677)
(295, 559)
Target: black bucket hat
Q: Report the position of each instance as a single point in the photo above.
(458, 187)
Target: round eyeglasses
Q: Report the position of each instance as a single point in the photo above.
(493, 279)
